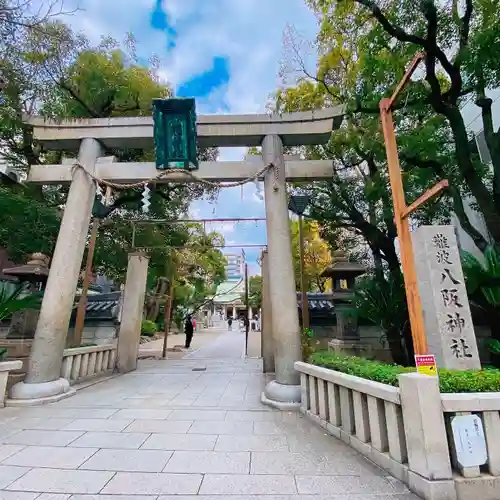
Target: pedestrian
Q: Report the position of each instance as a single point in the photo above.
(194, 324)
(189, 331)
(230, 324)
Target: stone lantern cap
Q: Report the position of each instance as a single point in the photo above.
(36, 270)
(342, 268)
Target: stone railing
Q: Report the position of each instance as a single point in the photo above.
(83, 363)
(404, 429)
(5, 368)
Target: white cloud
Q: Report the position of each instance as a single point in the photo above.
(247, 32)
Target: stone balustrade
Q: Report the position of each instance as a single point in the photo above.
(406, 430)
(5, 368)
(83, 363)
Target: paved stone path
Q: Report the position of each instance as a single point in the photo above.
(180, 427)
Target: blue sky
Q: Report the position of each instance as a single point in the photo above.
(225, 53)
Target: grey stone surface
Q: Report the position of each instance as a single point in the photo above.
(209, 462)
(61, 481)
(119, 497)
(38, 423)
(324, 485)
(128, 460)
(251, 443)
(197, 415)
(146, 414)
(169, 449)
(253, 416)
(51, 457)
(314, 464)
(43, 438)
(331, 496)
(9, 473)
(221, 427)
(17, 495)
(160, 426)
(134, 483)
(59, 411)
(129, 440)
(184, 442)
(98, 424)
(7, 450)
(447, 316)
(221, 484)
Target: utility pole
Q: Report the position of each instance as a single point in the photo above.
(247, 322)
(298, 205)
(303, 279)
(167, 314)
(402, 212)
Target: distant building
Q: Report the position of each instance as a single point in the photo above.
(234, 266)
(474, 123)
(229, 296)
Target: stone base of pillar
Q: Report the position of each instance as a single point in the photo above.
(26, 394)
(282, 397)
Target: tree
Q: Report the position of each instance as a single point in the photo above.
(461, 61)
(27, 226)
(317, 255)
(255, 292)
(59, 74)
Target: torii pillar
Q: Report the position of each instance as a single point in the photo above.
(43, 383)
(284, 392)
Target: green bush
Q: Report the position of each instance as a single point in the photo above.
(148, 328)
(487, 380)
(3, 354)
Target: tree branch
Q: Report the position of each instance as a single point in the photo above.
(395, 31)
(73, 94)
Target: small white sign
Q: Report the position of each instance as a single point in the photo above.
(470, 444)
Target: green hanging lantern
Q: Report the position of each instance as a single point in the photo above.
(175, 133)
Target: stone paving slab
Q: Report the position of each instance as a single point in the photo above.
(166, 432)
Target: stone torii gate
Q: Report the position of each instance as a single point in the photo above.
(89, 137)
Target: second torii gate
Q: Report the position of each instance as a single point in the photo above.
(89, 136)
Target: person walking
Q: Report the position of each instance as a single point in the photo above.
(230, 324)
(189, 331)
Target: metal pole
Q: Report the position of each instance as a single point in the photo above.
(82, 304)
(167, 315)
(303, 279)
(247, 322)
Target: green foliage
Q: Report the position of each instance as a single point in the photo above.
(148, 328)
(317, 255)
(381, 301)
(3, 354)
(255, 292)
(28, 225)
(483, 279)
(17, 300)
(449, 380)
(306, 343)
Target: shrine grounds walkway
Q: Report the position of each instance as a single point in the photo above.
(177, 430)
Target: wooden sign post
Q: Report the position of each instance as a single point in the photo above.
(402, 211)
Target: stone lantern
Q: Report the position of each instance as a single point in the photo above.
(34, 275)
(344, 272)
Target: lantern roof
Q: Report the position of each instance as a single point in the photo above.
(342, 268)
(36, 270)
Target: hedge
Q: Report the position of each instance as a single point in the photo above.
(148, 328)
(486, 380)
